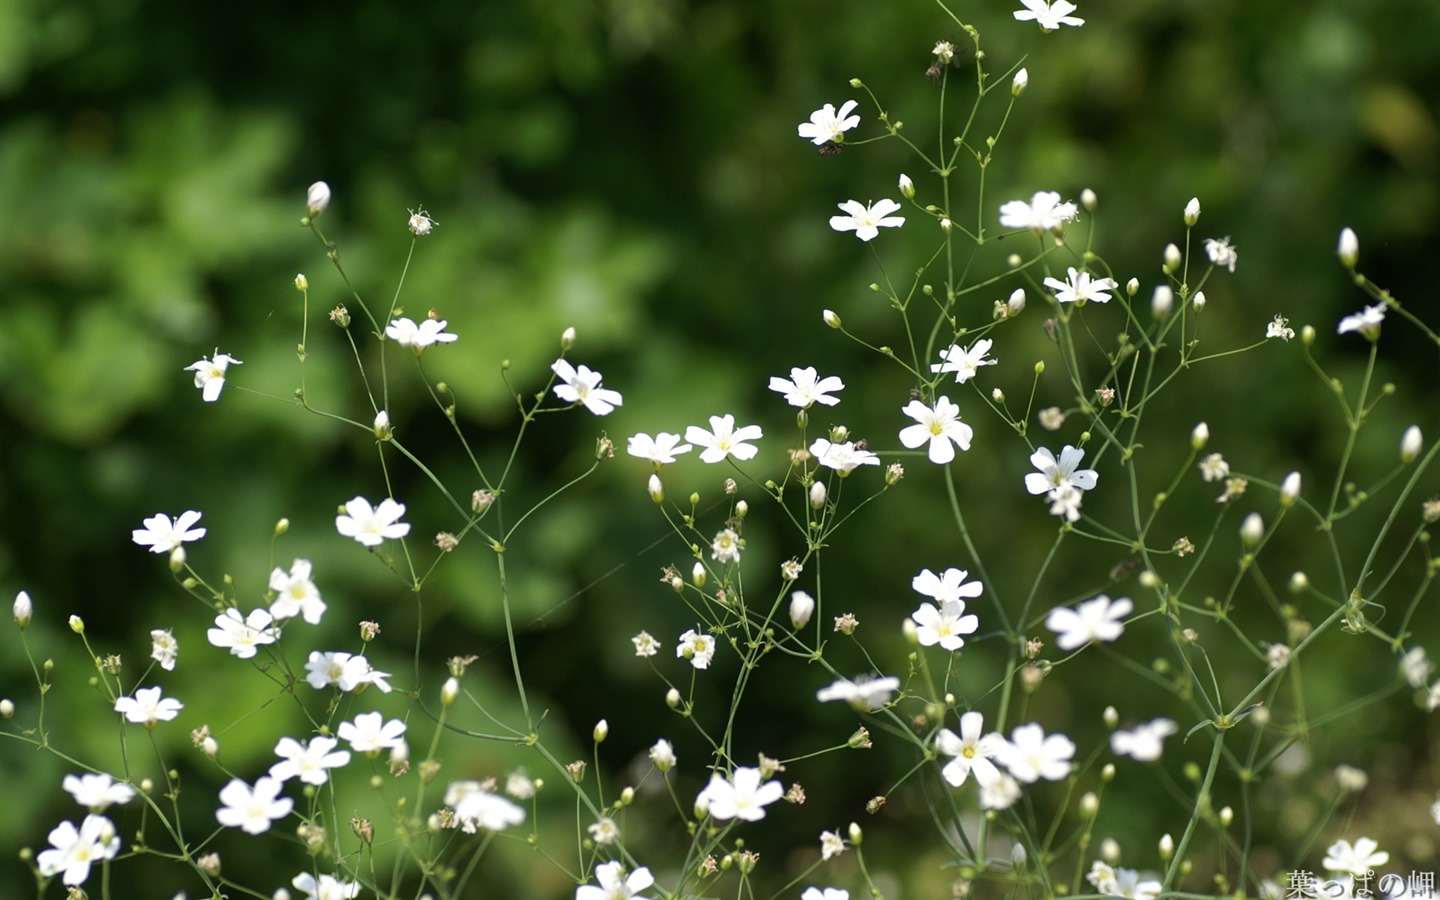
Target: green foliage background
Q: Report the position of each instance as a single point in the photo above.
(630, 167)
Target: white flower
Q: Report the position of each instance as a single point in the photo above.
(1415, 667)
(317, 198)
(341, 670)
(843, 458)
(327, 887)
(1221, 253)
(242, 635)
(964, 363)
(75, 850)
(520, 785)
(696, 647)
(252, 810)
(1348, 249)
(1000, 795)
(724, 439)
(97, 791)
(1279, 327)
(831, 844)
(1053, 474)
(372, 525)
(1030, 755)
(369, 733)
(164, 648)
(419, 337)
(1093, 620)
(1144, 742)
(948, 587)
(940, 426)
(663, 755)
(866, 221)
(862, 693)
(311, 763)
(162, 536)
(1048, 15)
(828, 125)
(814, 893)
(1357, 860)
(645, 644)
(295, 593)
(1079, 286)
(804, 389)
(604, 830)
(742, 796)
(1121, 882)
(1192, 211)
(726, 546)
(944, 624)
(582, 386)
(1213, 467)
(1020, 82)
(1065, 502)
(1435, 810)
(1411, 443)
(661, 450)
(147, 707)
(210, 374)
(477, 808)
(1367, 322)
(23, 609)
(419, 222)
(802, 607)
(614, 884)
(972, 751)
(1044, 212)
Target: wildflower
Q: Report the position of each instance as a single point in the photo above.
(863, 693)
(1359, 859)
(866, 221)
(802, 607)
(645, 644)
(519, 785)
(583, 386)
(1051, 418)
(614, 884)
(97, 791)
(1367, 322)
(1094, 620)
(826, 124)
(1065, 502)
(23, 609)
(1055, 474)
(1221, 253)
(663, 755)
(1348, 249)
(164, 648)
(742, 796)
(814, 893)
(604, 830)
(309, 762)
(1048, 14)
(368, 733)
(242, 636)
(1144, 742)
(1043, 213)
(475, 808)
(148, 707)
(972, 751)
(161, 535)
(317, 198)
(75, 850)
(660, 450)
(843, 458)
(696, 647)
(419, 337)
(1030, 755)
(724, 439)
(726, 546)
(1411, 443)
(1192, 211)
(296, 593)
(210, 374)
(1214, 467)
(1079, 286)
(343, 671)
(252, 809)
(831, 844)
(1415, 667)
(1020, 82)
(372, 525)
(1121, 882)
(804, 389)
(326, 887)
(940, 426)
(964, 362)
(1280, 328)
(944, 624)
(419, 222)
(1002, 794)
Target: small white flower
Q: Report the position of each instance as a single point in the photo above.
(1079, 286)
(1279, 327)
(663, 755)
(866, 221)
(343, 671)
(311, 763)
(1357, 860)
(1094, 620)
(1214, 468)
(804, 388)
(372, 525)
(1144, 742)
(1048, 14)
(614, 884)
(1065, 502)
(1192, 211)
(1367, 322)
(742, 796)
(1348, 249)
(326, 887)
(75, 850)
(940, 426)
(802, 607)
(724, 439)
(477, 808)
(826, 124)
(726, 546)
(965, 363)
(368, 733)
(23, 609)
(1020, 82)
(660, 450)
(1221, 253)
(148, 707)
(252, 809)
(645, 644)
(973, 751)
(863, 693)
(1415, 667)
(164, 648)
(520, 785)
(947, 587)
(210, 374)
(814, 893)
(1030, 755)
(317, 198)
(944, 624)
(696, 647)
(1002, 794)
(419, 337)
(831, 844)
(1058, 473)
(242, 635)
(162, 536)
(843, 458)
(604, 831)
(296, 593)
(582, 385)
(97, 791)
(1045, 212)
(420, 222)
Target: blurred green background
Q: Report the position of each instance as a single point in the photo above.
(630, 167)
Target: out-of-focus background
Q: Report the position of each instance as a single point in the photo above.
(631, 168)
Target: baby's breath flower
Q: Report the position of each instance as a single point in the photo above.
(645, 645)
(317, 198)
(419, 222)
(1221, 253)
(1280, 328)
(1348, 249)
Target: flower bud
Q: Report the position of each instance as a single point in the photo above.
(1348, 249)
(209, 746)
(831, 318)
(302, 284)
(1290, 489)
(77, 624)
(23, 609)
(449, 691)
(656, 489)
(1167, 847)
(1199, 436)
(177, 559)
(1110, 851)
(383, 431)
(1020, 82)
(1192, 212)
(946, 224)
(567, 338)
(1162, 301)
(1198, 301)
(7, 708)
(1227, 815)
(1111, 717)
(697, 574)
(997, 395)
(856, 835)
(1132, 287)
(1089, 200)
(817, 495)
(672, 698)
(1018, 856)
(742, 509)
(601, 732)
(481, 500)
(1089, 805)
(907, 187)
(1107, 774)
(1299, 582)
(282, 526)
(802, 607)
(1171, 259)
(1252, 529)
(317, 198)
(1410, 444)
(1016, 302)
